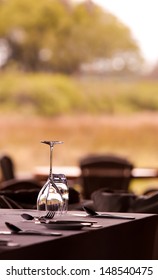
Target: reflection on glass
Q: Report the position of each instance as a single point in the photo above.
(50, 196)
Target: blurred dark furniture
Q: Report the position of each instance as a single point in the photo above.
(14, 192)
(22, 192)
(105, 171)
(112, 201)
(7, 203)
(7, 168)
(105, 201)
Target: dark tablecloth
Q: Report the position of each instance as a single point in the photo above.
(117, 239)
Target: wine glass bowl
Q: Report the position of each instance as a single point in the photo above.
(50, 197)
(61, 182)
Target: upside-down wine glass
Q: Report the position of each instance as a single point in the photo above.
(50, 197)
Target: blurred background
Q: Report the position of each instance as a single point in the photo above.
(76, 71)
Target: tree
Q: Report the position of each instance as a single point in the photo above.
(55, 35)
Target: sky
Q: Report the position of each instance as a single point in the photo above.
(141, 16)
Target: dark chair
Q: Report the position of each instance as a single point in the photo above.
(105, 201)
(7, 168)
(104, 171)
(74, 196)
(23, 192)
(6, 202)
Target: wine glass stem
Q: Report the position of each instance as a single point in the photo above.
(51, 156)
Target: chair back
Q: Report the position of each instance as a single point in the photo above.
(23, 192)
(7, 168)
(104, 171)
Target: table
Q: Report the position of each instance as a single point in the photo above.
(74, 172)
(116, 239)
(144, 173)
(71, 172)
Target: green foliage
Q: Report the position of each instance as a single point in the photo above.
(51, 95)
(42, 94)
(53, 35)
